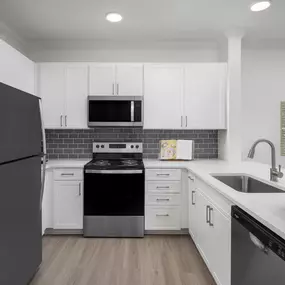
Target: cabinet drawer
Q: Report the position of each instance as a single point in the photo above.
(164, 187)
(163, 199)
(68, 174)
(163, 174)
(162, 218)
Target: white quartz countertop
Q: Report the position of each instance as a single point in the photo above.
(269, 209)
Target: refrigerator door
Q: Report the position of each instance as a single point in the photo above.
(20, 220)
(20, 124)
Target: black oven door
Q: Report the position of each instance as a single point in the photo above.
(114, 193)
(115, 111)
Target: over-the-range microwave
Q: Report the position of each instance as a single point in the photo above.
(115, 111)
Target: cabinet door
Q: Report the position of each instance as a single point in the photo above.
(76, 97)
(163, 97)
(68, 213)
(205, 96)
(129, 79)
(16, 70)
(102, 79)
(219, 244)
(192, 211)
(52, 91)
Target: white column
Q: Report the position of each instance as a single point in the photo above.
(230, 140)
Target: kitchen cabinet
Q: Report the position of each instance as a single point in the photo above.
(68, 205)
(163, 96)
(186, 96)
(63, 89)
(210, 229)
(16, 70)
(116, 79)
(205, 96)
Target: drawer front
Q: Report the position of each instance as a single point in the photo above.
(164, 199)
(163, 186)
(163, 174)
(162, 218)
(68, 174)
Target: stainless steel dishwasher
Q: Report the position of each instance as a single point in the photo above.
(258, 254)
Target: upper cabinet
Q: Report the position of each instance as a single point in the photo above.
(16, 70)
(191, 96)
(163, 96)
(205, 96)
(63, 89)
(116, 79)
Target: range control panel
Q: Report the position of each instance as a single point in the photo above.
(99, 147)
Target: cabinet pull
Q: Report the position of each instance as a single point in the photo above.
(162, 215)
(181, 121)
(66, 121)
(207, 215)
(192, 179)
(118, 86)
(79, 189)
(193, 192)
(158, 199)
(61, 120)
(162, 187)
(113, 88)
(162, 174)
(211, 210)
(67, 174)
(186, 121)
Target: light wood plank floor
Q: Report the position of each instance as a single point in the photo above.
(154, 260)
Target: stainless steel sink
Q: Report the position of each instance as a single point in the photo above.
(246, 184)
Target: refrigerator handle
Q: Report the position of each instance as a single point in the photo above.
(43, 155)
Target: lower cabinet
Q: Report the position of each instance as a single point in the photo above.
(211, 232)
(68, 208)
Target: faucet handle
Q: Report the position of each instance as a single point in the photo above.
(280, 174)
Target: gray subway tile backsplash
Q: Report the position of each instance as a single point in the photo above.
(72, 143)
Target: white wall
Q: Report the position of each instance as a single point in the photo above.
(263, 87)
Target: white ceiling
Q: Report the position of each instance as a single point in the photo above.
(144, 20)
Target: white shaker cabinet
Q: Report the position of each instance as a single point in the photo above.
(68, 205)
(163, 96)
(205, 96)
(102, 79)
(76, 96)
(192, 204)
(16, 70)
(51, 87)
(116, 79)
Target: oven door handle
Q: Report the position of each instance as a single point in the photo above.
(113, 171)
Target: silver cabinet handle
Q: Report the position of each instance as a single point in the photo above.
(162, 187)
(211, 210)
(193, 192)
(162, 174)
(162, 215)
(118, 86)
(164, 199)
(66, 121)
(61, 120)
(67, 174)
(181, 121)
(207, 215)
(113, 89)
(79, 189)
(186, 121)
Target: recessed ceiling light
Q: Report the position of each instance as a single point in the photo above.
(260, 6)
(114, 17)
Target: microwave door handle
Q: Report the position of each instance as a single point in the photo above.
(132, 111)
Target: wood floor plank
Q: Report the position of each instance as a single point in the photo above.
(153, 260)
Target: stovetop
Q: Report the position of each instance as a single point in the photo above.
(112, 164)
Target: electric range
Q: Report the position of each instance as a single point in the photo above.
(114, 191)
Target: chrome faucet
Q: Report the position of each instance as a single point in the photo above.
(274, 172)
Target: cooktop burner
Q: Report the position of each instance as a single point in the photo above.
(101, 163)
(130, 162)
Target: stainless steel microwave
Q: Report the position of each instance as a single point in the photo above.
(117, 111)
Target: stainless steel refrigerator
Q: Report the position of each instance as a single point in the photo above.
(22, 172)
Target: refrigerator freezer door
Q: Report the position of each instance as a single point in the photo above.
(20, 124)
(20, 220)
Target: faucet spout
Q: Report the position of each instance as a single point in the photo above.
(274, 173)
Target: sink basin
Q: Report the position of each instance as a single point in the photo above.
(246, 184)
